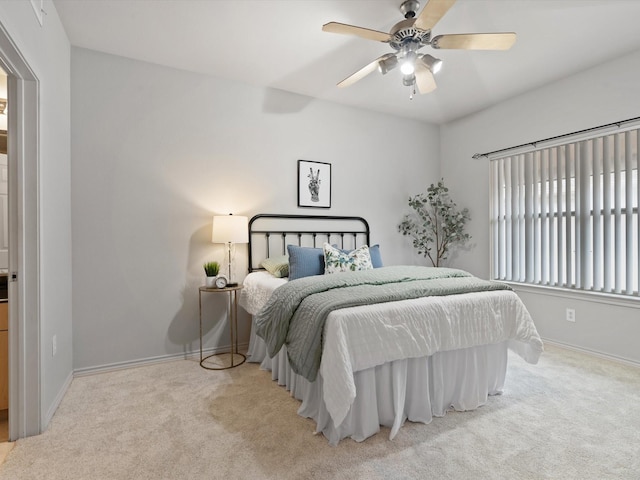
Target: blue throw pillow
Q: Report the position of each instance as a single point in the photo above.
(374, 252)
(305, 261)
(376, 258)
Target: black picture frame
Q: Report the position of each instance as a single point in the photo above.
(314, 184)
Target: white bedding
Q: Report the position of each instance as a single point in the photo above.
(363, 337)
(258, 287)
(414, 389)
(359, 338)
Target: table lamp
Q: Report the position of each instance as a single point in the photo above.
(230, 229)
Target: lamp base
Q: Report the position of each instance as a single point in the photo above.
(234, 284)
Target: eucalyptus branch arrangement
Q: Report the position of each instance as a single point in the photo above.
(211, 269)
(436, 224)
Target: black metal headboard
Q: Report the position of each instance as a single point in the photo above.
(269, 233)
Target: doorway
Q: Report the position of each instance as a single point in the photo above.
(4, 264)
(24, 413)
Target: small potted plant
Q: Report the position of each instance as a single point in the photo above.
(211, 269)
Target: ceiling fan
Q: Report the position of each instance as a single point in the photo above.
(408, 36)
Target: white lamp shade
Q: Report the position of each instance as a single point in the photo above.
(230, 229)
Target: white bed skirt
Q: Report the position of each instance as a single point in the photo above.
(415, 389)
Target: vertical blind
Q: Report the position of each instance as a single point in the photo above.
(567, 215)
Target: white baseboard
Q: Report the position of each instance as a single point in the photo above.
(592, 353)
(56, 402)
(112, 367)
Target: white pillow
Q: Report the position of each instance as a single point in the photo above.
(335, 260)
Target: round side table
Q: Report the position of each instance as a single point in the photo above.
(234, 357)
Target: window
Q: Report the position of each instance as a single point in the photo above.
(567, 215)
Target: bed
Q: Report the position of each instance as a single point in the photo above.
(377, 364)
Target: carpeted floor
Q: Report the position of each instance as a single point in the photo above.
(569, 417)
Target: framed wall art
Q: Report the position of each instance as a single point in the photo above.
(314, 184)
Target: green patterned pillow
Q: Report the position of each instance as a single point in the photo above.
(277, 266)
(336, 260)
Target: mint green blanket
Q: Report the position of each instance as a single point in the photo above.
(296, 311)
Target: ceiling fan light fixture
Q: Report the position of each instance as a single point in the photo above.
(387, 64)
(432, 63)
(408, 65)
(409, 80)
(437, 66)
(407, 68)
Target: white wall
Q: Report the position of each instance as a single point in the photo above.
(46, 49)
(158, 151)
(594, 97)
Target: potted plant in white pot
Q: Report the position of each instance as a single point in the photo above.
(211, 270)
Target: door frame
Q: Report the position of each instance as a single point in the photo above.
(25, 417)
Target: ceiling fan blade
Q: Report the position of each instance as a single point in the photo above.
(424, 79)
(432, 12)
(343, 28)
(475, 41)
(364, 71)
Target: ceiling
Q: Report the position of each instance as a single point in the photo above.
(280, 44)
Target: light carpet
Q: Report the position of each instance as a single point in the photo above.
(572, 416)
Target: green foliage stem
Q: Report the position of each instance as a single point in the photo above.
(436, 224)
